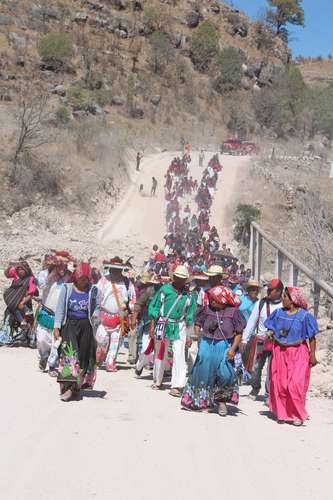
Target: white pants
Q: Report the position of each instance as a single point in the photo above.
(143, 358)
(132, 345)
(108, 342)
(44, 342)
(178, 377)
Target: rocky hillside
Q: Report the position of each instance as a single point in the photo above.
(133, 60)
(103, 76)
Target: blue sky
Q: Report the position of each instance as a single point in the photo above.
(317, 36)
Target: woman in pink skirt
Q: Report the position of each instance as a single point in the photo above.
(294, 353)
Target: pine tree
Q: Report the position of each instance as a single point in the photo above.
(284, 12)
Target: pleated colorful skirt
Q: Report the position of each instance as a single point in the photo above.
(212, 378)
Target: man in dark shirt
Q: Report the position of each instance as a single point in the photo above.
(138, 161)
(140, 319)
(153, 188)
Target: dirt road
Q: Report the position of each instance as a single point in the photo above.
(124, 440)
(139, 219)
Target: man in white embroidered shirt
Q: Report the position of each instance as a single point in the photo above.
(255, 336)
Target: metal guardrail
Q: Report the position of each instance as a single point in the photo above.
(258, 236)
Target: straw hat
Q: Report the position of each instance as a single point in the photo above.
(181, 272)
(253, 284)
(154, 280)
(200, 276)
(146, 278)
(215, 271)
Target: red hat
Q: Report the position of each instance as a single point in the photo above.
(275, 284)
(83, 269)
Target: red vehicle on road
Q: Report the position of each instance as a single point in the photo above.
(238, 147)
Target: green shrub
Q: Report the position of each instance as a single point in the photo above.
(229, 63)
(63, 115)
(79, 98)
(57, 46)
(103, 97)
(161, 51)
(320, 102)
(281, 105)
(244, 215)
(204, 45)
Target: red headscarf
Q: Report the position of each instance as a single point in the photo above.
(297, 297)
(82, 269)
(223, 295)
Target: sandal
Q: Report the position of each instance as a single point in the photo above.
(156, 387)
(222, 410)
(176, 393)
(67, 395)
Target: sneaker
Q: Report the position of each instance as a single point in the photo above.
(138, 372)
(253, 395)
(222, 410)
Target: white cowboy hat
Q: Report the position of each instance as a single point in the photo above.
(181, 272)
(252, 284)
(214, 271)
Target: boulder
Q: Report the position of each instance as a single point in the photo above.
(143, 29)
(78, 113)
(44, 13)
(94, 5)
(59, 90)
(137, 6)
(20, 61)
(238, 24)
(98, 21)
(119, 4)
(215, 8)
(6, 97)
(117, 101)
(137, 112)
(269, 72)
(245, 83)
(19, 42)
(96, 110)
(179, 40)
(155, 99)
(193, 19)
(121, 33)
(81, 17)
(6, 20)
(281, 51)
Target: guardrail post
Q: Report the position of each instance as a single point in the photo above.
(293, 278)
(258, 257)
(279, 264)
(253, 243)
(316, 299)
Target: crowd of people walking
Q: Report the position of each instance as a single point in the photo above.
(191, 292)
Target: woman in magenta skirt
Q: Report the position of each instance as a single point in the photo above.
(294, 353)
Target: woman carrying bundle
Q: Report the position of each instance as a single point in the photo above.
(220, 324)
(73, 328)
